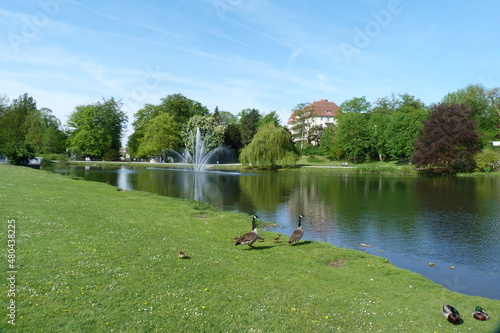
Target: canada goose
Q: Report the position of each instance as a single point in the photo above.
(260, 239)
(277, 239)
(451, 314)
(250, 237)
(297, 234)
(432, 264)
(181, 254)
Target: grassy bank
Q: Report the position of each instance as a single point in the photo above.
(94, 259)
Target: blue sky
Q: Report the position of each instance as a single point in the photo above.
(238, 54)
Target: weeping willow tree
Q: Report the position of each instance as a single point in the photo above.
(271, 146)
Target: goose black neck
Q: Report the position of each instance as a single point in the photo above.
(254, 224)
(300, 219)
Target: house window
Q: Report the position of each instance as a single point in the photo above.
(328, 111)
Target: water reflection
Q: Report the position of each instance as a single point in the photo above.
(409, 220)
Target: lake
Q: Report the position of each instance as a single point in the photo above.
(412, 221)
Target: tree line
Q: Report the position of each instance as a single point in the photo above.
(95, 130)
(453, 135)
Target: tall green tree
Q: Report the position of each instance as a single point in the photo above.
(384, 105)
(402, 132)
(249, 122)
(180, 107)
(216, 115)
(394, 125)
(271, 117)
(13, 123)
(448, 140)
(44, 133)
(493, 96)
(22, 126)
(226, 118)
(329, 143)
(354, 136)
(54, 137)
(406, 103)
(356, 104)
(271, 146)
(475, 97)
(378, 126)
(141, 119)
(96, 129)
(232, 137)
(160, 134)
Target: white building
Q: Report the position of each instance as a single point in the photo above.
(320, 113)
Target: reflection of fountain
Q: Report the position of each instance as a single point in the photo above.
(198, 159)
(200, 184)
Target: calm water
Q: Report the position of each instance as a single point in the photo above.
(409, 220)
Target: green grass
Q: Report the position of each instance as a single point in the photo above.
(95, 259)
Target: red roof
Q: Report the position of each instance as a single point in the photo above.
(321, 108)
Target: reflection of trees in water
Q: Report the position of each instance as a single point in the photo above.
(265, 191)
(217, 189)
(308, 197)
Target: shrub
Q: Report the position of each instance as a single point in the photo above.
(18, 153)
(311, 150)
(407, 169)
(487, 160)
(314, 159)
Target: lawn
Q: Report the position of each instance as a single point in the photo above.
(90, 258)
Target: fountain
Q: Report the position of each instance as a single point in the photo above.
(196, 156)
(199, 156)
